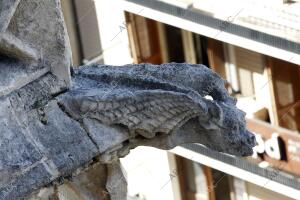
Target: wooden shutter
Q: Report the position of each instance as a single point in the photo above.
(195, 180)
(144, 39)
(285, 82)
(216, 57)
(258, 192)
(248, 63)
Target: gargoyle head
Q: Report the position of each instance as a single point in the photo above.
(226, 130)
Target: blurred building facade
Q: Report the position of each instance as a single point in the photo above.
(254, 45)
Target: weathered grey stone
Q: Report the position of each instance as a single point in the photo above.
(36, 132)
(108, 111)
(27, 182)
(16, 151)
(7, 9)
(62, 139)
(90, 184)
(116, 182)
(33, 37)
(14, 75)
(48, 193)
(48, 133)
(110, 136)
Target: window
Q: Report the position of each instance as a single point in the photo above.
(286, 81)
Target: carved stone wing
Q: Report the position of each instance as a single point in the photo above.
(146, 99)
(143, 112)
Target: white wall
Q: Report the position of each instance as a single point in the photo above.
(113, 35)
(149, 173)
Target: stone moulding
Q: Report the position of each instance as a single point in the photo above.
(33, 41)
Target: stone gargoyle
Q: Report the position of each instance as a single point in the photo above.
(53, 127)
